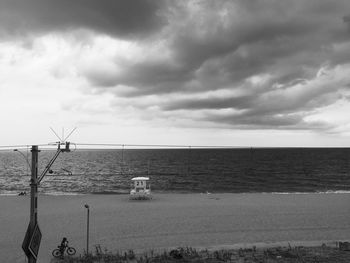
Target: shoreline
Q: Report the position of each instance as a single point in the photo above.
(17, 193)
(173, 220)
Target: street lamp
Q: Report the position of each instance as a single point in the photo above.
(87, 228)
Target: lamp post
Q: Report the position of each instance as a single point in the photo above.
(87, 228)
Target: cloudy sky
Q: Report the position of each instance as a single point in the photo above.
(235, 72)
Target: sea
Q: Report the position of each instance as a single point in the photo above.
(185, 170)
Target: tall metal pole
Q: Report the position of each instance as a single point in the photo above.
(87, 229)
(33, 196)
(31, 242)
(88, 223)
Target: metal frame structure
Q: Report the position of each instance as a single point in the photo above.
(33, 228)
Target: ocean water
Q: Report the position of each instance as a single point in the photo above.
(258, 170)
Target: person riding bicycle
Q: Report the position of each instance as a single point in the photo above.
(62, 248)
(64, 244)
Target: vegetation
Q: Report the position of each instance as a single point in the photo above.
(321, 254)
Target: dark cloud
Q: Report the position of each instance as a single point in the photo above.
(113, 17)
(147, 74)
(269, 122)
(211, 46)
(238, 103)
(346, 20)
(254, 37)
(281, 108)
(220, 45)
(260, 121)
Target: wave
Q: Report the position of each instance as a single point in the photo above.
(9, 193)
(335, 192)
(171, 192)
(61, 193)
(305, 193)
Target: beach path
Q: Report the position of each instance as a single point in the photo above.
(170, 220)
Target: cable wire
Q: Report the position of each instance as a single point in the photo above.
(159, 145)
(52, 146)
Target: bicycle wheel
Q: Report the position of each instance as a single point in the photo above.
(56, 253)
(71, 251)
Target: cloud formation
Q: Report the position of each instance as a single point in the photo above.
(115, 17)
(266, 64)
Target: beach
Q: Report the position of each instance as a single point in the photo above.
(172, 220)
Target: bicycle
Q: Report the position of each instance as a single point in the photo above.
(57, 252)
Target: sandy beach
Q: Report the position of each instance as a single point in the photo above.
(170, 220)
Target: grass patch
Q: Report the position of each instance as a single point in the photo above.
(300, 254)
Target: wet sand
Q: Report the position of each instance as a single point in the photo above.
(171, 220)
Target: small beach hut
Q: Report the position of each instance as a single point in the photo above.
(140, 189)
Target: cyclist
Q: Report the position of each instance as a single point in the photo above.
(64, 244)
(63, 247)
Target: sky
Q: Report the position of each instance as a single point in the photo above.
(266, 73)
